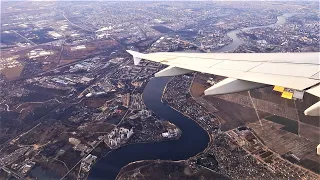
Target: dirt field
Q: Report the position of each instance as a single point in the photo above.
(282, 142)
(197, 89)
(309, 132)
(233, 115)
(11, 73)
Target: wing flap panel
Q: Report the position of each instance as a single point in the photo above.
(180, 61)
(298, 70)
(236, 65)
(316, 76)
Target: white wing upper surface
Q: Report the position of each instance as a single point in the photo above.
(300, 71)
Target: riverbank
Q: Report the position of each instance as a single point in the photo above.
(165, 169)
(139, 164)
(176, 109)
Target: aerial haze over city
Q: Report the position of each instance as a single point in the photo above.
(74, 106)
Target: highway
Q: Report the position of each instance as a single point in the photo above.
(63, 14)
(24, 37)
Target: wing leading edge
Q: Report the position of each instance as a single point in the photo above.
(246, 71)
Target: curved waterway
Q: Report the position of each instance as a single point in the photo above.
(192, 141)
(236, 42)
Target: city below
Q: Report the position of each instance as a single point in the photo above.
(74, 106)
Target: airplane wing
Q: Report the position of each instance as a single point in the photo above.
(297, 71)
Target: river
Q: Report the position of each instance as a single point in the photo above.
(192, 141)
(236, 42)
